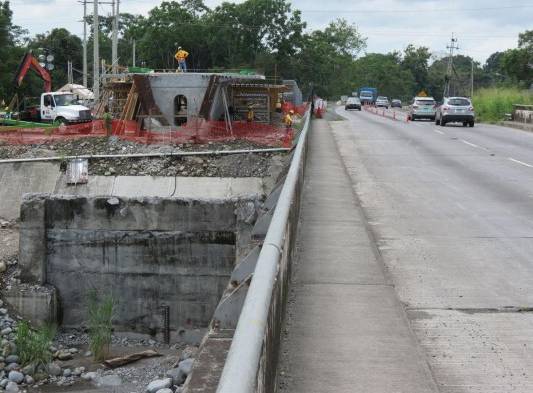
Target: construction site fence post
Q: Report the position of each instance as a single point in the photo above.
(251, 363)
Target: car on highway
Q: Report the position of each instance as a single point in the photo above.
(396, 103)
(383, 102)
(456, 110)
(353, 103)
(422, 108)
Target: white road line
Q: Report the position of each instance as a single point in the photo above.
(520, 162)
(438, 131)
(471, 144)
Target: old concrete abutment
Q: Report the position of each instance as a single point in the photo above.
(145, 252)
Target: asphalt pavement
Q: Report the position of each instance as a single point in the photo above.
(450, 210)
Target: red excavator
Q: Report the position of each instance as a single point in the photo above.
(30, 61)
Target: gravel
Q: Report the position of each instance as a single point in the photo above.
(113, 145)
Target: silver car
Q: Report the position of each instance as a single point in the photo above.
(456, 110)
(382, 102)
(422, 108)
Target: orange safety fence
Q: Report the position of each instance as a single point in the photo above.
(299, 109)
(195, 131)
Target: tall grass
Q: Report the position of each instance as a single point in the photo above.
(33, 346)
(100, 319)
(492, 104)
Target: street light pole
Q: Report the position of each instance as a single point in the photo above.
(85, 43)
(472, 81)
(96, 56)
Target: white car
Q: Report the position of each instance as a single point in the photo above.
(383, 102)
(456, 110)
(422, 108)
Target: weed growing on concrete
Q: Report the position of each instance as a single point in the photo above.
(100, 324)
(33, 346)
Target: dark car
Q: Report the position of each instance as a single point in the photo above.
(396, 104)
(353, 103)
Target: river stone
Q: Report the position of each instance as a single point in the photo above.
(109, 380)
(12, 387)
(16, 376)
(54, 369)
(158, 384)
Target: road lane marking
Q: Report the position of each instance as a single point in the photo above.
(470, 144)
(438, 131)
(520, 162)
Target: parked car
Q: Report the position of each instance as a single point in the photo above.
(353, 103)
(383, 102)
(456, 110)
(423, 108)
(396, 104)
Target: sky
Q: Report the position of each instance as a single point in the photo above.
(482, 27)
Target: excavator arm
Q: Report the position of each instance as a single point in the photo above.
(29, 61)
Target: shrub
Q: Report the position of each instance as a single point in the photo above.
(492, 104)
(100, 324)
(33, 346)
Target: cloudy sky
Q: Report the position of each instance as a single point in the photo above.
(481, 26)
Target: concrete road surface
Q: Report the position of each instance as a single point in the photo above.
(451, 211)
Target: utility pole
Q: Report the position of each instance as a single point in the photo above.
(85, 43)
(114, 55)
(453, 46)
(96, 57)
(472, 81)
(134, 48)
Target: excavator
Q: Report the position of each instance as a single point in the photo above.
(29, 112)
(60, 107)
(30, 62)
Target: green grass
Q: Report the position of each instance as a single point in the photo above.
(26, 124)
(492, 104)
(101, 312)
(33, 346)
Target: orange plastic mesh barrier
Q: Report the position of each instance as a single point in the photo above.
(196, 131)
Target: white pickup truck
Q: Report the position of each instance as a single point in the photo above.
(63, 107)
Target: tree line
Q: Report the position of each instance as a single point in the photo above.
(268, 36)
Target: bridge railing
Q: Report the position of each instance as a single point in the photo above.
(251, 364)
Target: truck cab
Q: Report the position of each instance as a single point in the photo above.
(63, 107)
(368, 95)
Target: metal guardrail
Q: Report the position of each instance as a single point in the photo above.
(244, 365)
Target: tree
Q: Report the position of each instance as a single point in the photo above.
(327, 58)
(415, 60)
(525, 40)
(11, 37)
(65, 47)
(385, 72)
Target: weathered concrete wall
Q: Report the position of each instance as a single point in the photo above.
(20, 178)
(46, 177)
(146, 252)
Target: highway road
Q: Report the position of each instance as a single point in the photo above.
(451, 212)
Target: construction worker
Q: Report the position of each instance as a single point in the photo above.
(108, 121)
(181, 57)
(288, 119)
(278, 105)
(250, 114)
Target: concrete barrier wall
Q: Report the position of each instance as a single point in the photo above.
(523, 113)
(17, 179)
(145, 252)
